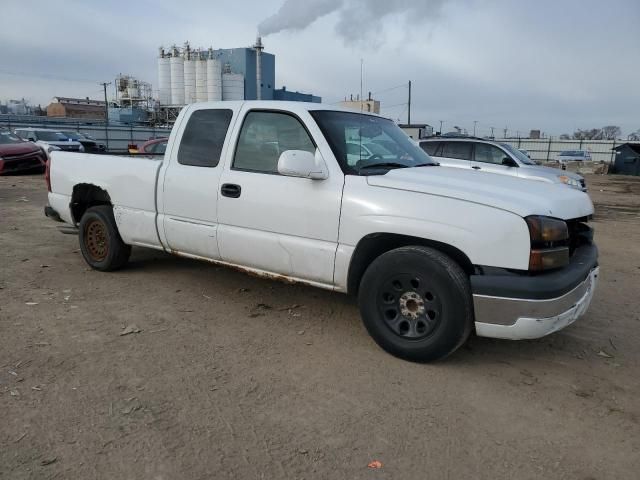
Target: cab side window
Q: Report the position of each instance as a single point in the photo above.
(458, 150)
(203, 138)
(486, 153)
(263, 138)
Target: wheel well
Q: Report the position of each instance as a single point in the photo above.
(375, 244)
(85, 196)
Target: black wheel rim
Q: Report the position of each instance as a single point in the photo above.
(410, 307)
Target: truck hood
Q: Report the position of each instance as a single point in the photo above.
(516, 195)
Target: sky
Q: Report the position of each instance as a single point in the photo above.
(553, 65)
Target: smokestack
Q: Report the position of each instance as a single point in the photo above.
(258, 48)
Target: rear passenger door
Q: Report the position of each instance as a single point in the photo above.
(188, 201)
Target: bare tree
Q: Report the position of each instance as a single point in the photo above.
(611, 132)
(565, 136)
(588, 134)
(635, 136)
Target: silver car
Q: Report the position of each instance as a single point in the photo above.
(574, 156)
(495, 157)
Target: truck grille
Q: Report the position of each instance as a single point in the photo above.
(69, 148)
(580, 233)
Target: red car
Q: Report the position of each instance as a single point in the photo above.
(157, 146)
(16, 155)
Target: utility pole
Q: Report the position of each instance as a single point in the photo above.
(441, 122)
(106, 104)
(409, 105)
(492, 128)
(505, 132)
(361, 82)
(475, 123)
(106, 113)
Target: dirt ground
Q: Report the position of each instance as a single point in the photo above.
(232, 376)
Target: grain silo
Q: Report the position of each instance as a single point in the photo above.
(164, 78)
(214, 78)
(232, 84)
(201, 78)
(177, 77)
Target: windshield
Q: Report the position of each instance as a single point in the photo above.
(368, 145)
(73, 135)
(51, 136)
(8, 137)
(518, 154)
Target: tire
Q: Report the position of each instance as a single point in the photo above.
(416, 303)
(100, 243)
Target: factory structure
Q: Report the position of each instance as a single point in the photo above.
(187, 75)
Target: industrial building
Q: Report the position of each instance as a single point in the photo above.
(64, 107)
(369, 105)
(187, 75)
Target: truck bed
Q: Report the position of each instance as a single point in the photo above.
(130, 183)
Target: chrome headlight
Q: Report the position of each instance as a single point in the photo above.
(572, 182)
(51, 148)
(81, 148)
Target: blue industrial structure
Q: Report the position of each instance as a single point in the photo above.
(286, 95)
(243, 60)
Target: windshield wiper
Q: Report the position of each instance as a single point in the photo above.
(385, 165)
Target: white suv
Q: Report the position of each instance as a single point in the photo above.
(495, 157)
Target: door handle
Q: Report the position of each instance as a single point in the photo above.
(231, 190)
(475, 167)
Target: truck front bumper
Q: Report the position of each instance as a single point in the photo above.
(519, 307)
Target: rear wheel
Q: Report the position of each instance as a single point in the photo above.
(100, 243)
(416, 303)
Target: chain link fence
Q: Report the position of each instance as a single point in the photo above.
(116, 138)
(548, 149)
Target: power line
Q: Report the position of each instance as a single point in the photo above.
(404, 85)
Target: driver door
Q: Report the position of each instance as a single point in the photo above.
(489, 158)
(275, 223)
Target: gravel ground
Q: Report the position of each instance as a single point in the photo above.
(228, 376)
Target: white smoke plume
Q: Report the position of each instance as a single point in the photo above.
(357, 19)
(297, 15)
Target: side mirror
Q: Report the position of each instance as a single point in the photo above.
(303, 164)
(509, 162)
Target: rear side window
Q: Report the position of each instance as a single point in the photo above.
(431, 147)
(457, 150)
(203, 137)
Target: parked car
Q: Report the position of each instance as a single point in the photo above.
(16, 155)
(269, 188)
(157, 146)
(49, 139)
(90, 144)
(495, 157)
(574, 156)
(367, 150)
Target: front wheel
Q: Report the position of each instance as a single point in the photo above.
(416, 303)
(100, 243)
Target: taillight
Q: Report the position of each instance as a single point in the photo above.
(47, 173)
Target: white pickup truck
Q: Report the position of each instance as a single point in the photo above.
(431, 253)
